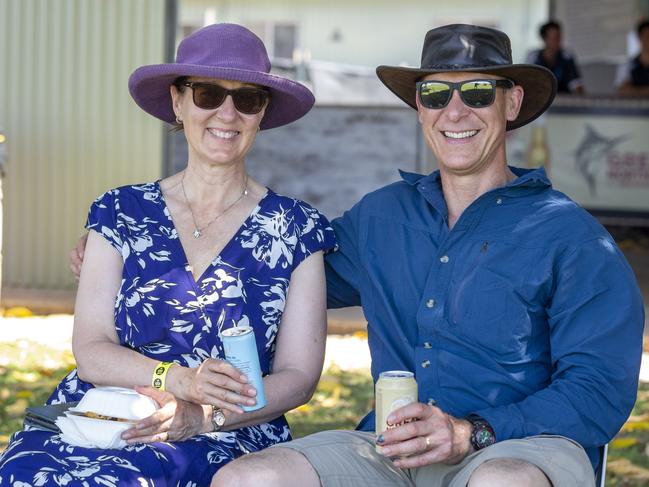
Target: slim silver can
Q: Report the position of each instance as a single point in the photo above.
(241, 351)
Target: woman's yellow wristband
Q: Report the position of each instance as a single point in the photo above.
(160, 375)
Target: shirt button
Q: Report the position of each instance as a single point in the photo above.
(444, 259)
(499, 201)
(428, 345)
(425, 364)
(430, 303)
(431, 401)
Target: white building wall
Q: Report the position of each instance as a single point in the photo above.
(373, 32)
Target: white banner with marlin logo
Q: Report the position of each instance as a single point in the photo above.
(597, 157)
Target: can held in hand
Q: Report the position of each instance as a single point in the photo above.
(394, 389)
(241, 351)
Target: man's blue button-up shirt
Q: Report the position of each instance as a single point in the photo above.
(526, 312)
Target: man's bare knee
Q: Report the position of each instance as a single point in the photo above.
(271, 468)
(508, 472)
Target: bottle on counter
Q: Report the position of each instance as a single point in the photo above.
(538, 151)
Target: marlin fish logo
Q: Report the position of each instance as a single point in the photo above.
(590, 153)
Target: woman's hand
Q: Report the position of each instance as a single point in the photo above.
(214, 382)
(175, 420)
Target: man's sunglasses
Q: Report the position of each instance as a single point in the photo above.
(209, 96)
(475, 93)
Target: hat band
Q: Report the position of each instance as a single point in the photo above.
(459, 67)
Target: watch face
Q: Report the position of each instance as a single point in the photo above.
(218, 419)
(484, 437)
(482, 434)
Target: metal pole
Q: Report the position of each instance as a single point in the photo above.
(171, 22)
(3, 162)
(1, 224)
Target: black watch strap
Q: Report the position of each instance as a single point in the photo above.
(482, 434)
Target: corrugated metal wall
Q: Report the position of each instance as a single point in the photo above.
(73, 130)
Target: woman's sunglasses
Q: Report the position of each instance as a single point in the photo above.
(209, 96)
(475, 93)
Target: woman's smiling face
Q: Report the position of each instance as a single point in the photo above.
(222, 135)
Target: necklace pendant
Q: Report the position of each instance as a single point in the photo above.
(197, 233)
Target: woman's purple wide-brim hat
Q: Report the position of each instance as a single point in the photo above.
(225, 51)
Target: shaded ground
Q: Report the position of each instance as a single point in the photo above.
(29, 371)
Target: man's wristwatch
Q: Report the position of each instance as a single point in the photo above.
(218, 418)
(482, 434)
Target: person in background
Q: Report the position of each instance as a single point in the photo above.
(633, 78)
(554, 57)
(171, 264)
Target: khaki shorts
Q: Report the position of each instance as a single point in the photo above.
(348, 458)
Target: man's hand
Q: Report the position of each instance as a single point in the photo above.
(76, 255)
(425, 435)
(176, 420)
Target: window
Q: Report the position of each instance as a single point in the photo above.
(284, 40)
(281, 38)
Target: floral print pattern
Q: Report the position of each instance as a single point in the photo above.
(164, 313)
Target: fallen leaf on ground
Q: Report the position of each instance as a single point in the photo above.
(621, 443)
(18, 312)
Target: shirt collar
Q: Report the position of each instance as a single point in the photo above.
(414, 179)
(525, 177)
(530, 178)
(430, 186)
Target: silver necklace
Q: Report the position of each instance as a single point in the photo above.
(199, 231)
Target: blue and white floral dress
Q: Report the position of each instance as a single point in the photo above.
(164, 313)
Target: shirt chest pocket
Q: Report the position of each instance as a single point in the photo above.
(494, 299)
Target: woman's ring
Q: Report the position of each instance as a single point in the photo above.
(427, 442)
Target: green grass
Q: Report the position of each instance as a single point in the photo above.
(341, 400)
(628, 459)
(29, 372)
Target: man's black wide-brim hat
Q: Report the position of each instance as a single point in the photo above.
(471, 48)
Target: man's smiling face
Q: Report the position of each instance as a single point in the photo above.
(468, 140)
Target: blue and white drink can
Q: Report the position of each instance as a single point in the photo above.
(241, 351)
